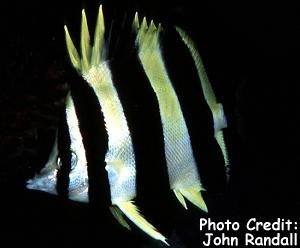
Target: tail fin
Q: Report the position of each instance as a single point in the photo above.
(133, 213)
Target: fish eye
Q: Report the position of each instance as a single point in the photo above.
(58, 162)
(74, 160)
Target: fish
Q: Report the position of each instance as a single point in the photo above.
(46, 180)
(183, 174)
(93, 66)
(219, 118)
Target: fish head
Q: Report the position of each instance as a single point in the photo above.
(45, 180)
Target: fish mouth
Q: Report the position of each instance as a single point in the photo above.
(43, 182)
(40, 185)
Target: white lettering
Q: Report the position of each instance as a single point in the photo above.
(249, 223)
(218, 226)
(207, 243)
(203, 222)
(249, 239)
(223, 240)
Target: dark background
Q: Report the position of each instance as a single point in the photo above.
(251, 54)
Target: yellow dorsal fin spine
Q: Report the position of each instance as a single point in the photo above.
(136, 22)
(98, 39)
(85, 44)
(73, 54)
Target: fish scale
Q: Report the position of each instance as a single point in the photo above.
(78, 183)
(120, 158)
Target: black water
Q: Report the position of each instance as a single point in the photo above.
(251, 54)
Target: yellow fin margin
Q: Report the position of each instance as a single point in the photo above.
(133, 213)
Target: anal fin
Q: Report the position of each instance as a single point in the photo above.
(180, 197)
(133, 213)
(117, 213)
(193, 194)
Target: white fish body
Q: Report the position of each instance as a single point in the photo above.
(78, 184)
(182, 170)
(120, 158)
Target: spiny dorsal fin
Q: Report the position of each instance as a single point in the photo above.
(90, 56)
